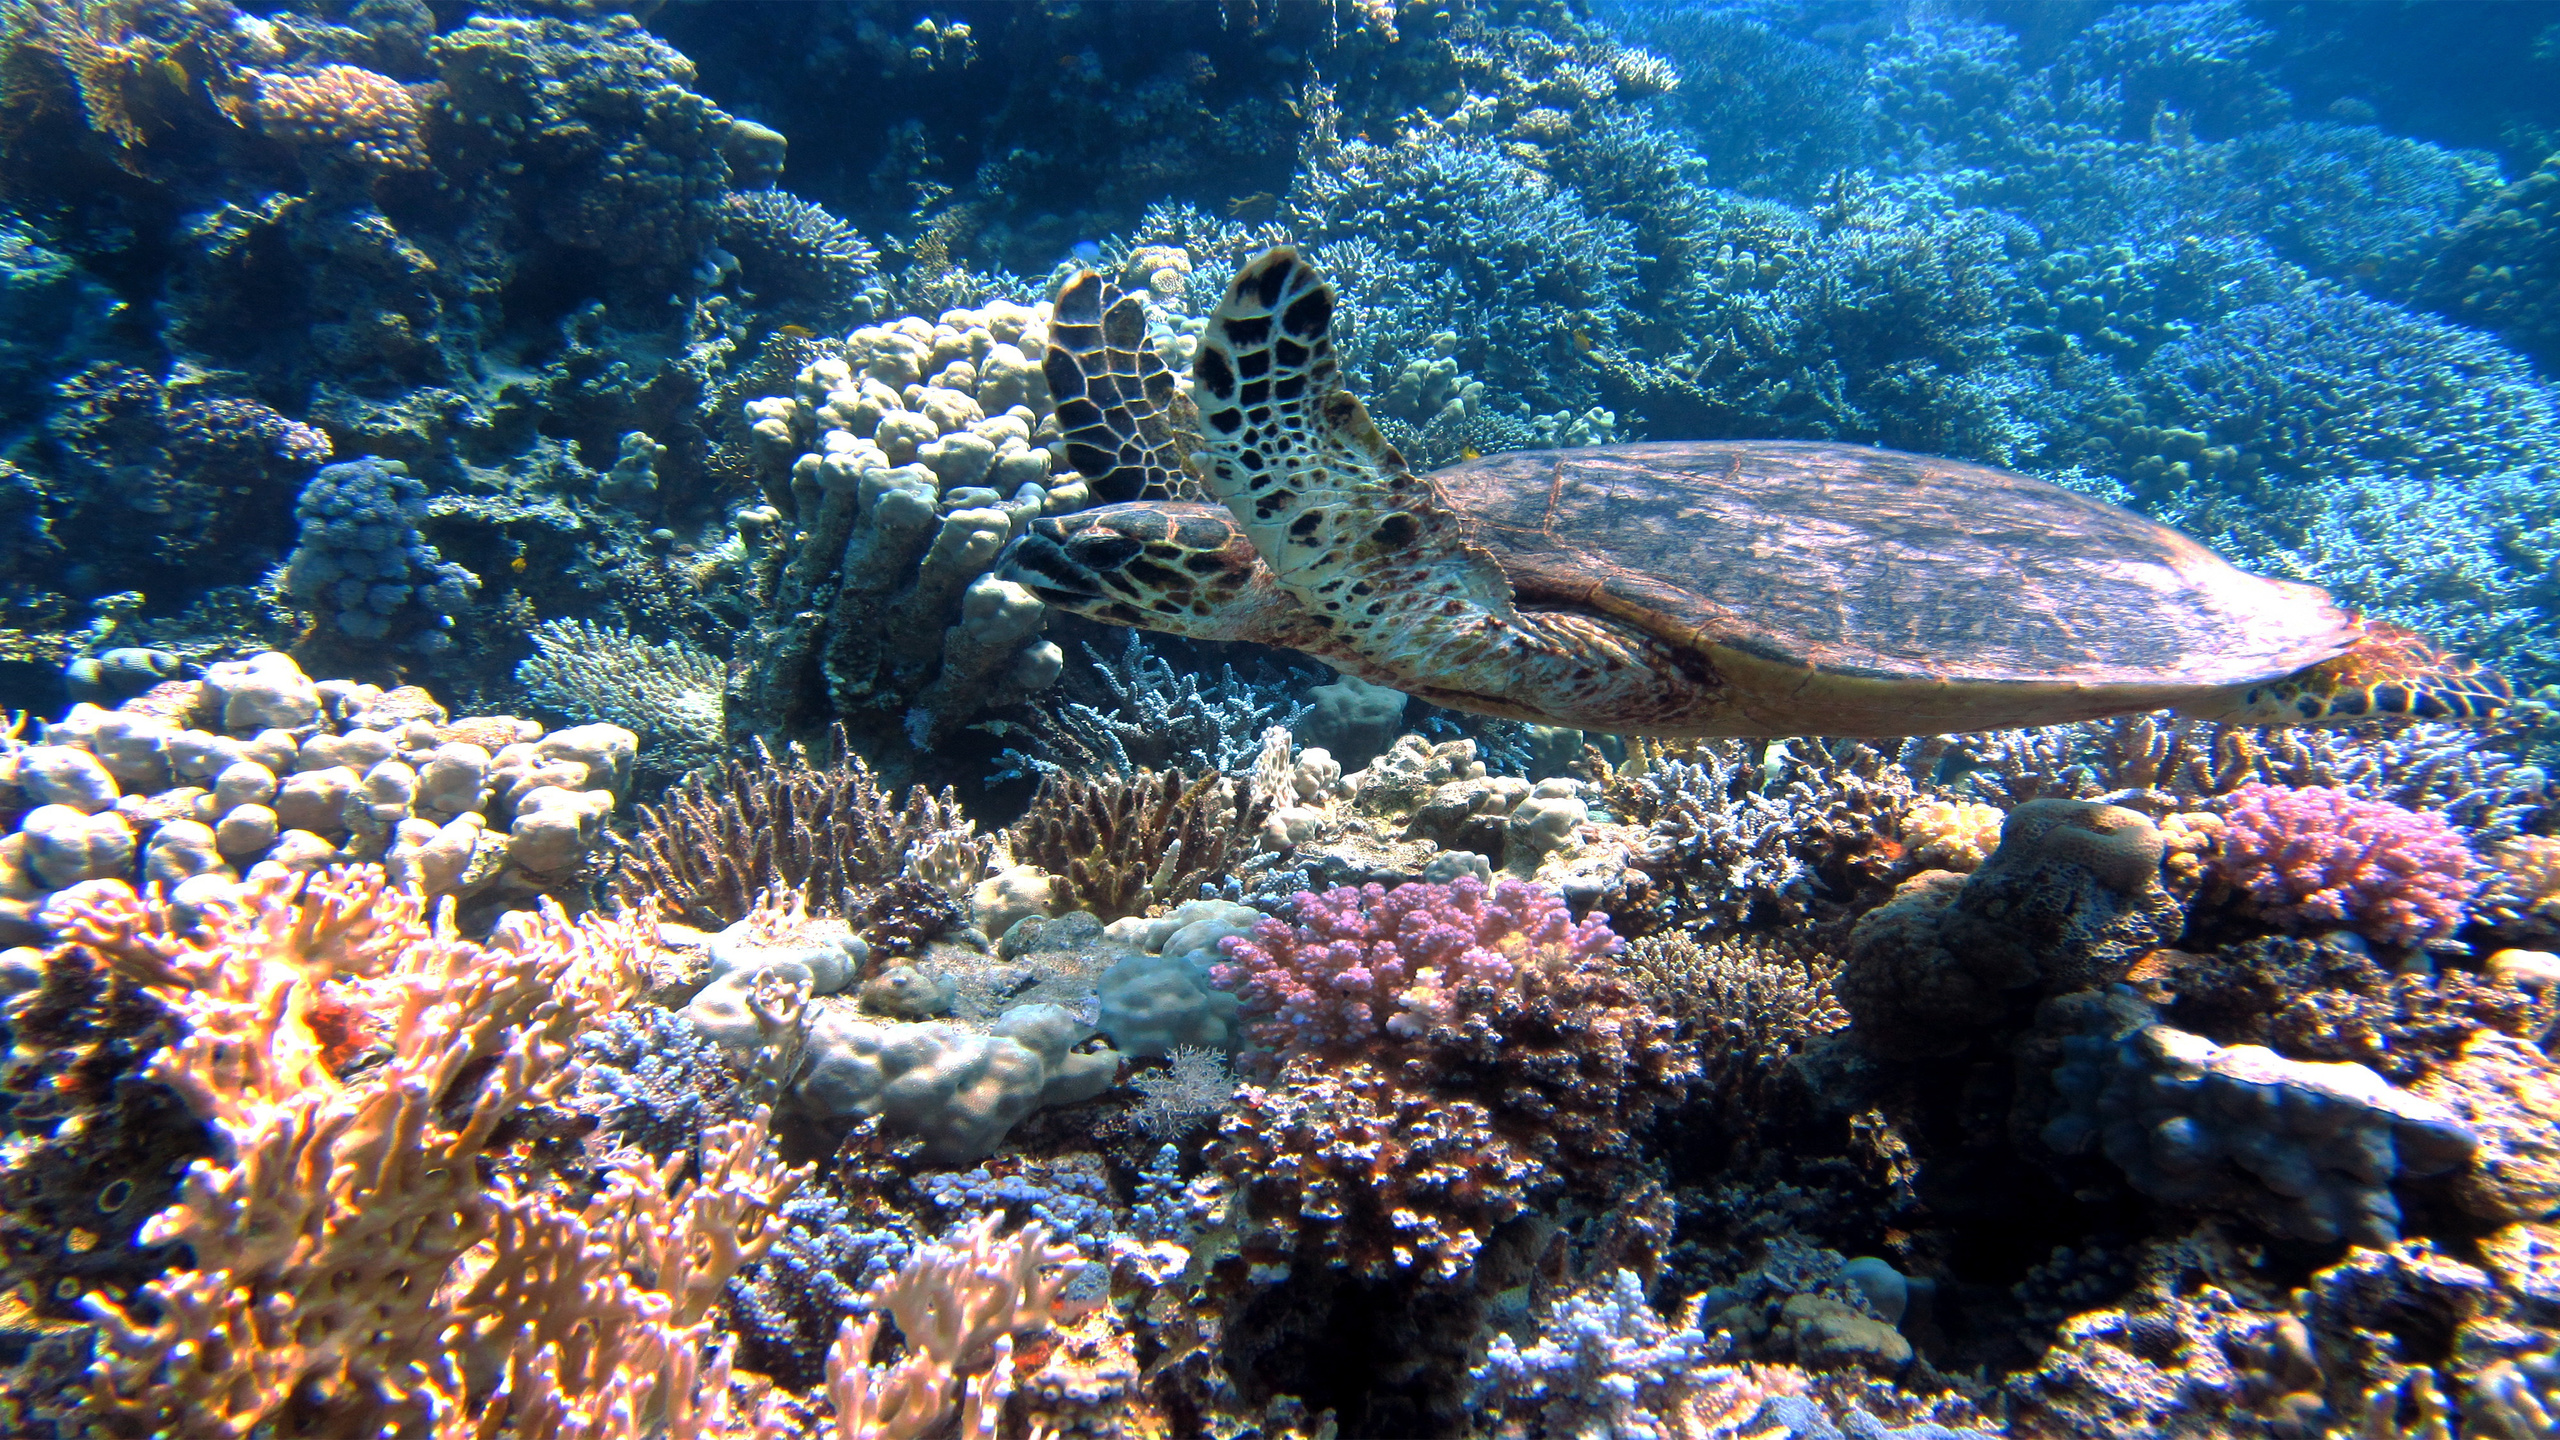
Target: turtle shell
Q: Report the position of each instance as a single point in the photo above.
(1881, 566)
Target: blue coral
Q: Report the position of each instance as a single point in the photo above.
(362, 562)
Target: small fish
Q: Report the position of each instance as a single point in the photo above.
(517, 565)
(1257, 206)
(1470, 453)
(1582, 341)
(798, 332)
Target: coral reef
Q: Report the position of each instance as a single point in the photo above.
(863, 1003)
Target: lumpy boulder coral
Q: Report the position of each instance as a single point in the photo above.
(2071, 896)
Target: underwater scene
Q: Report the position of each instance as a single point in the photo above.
(1279, 719)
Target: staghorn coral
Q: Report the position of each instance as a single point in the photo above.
(1140, 845)
(669, 695)
(1157, 718)
(1721, 851)
(1605, 1364)
(2320, 858)
(345, 110)
(724, 837)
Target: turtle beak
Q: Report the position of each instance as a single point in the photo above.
(1057, 564)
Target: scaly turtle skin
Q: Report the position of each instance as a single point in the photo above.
(1689, 589)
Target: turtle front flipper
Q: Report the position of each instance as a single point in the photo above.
(1118, 406)
(1382, 563)
(1170, 565)
(2387, 672)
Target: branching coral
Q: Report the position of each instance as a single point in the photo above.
(1364, 962)
(797, 250)
(957, 1304)
(669, 695)
(344, 1241)
(723, 838)
(2321, 858)
(1158, 717)
(1131, 847)
(1747, 1003)
(1439, 1055)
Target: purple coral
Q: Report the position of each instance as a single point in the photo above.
(2328, 859)
(1363, 961)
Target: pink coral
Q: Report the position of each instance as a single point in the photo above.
(1365, 961)
(1435, 1059)
(2328, 859)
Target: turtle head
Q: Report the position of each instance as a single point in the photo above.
(1156, 565)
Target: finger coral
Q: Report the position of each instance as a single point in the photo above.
(2317, 858)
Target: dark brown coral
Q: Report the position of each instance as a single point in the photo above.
(1747, 1003)
(723, 838)
(94, 1148)
(1128, 847)
(2324, 999)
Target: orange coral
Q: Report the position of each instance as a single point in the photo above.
(344, 107)
(355, 1269)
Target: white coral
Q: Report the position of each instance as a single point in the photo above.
(672, 694)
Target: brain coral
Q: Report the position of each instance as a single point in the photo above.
(2325, 859)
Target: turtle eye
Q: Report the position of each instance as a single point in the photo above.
(1100, 550)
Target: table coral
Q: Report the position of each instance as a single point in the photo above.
(2320, 858)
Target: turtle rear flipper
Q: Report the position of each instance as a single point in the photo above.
(1118, 403)
(2388, 672)
(1378, 557)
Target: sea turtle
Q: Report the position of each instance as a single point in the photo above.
(1684, 589)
